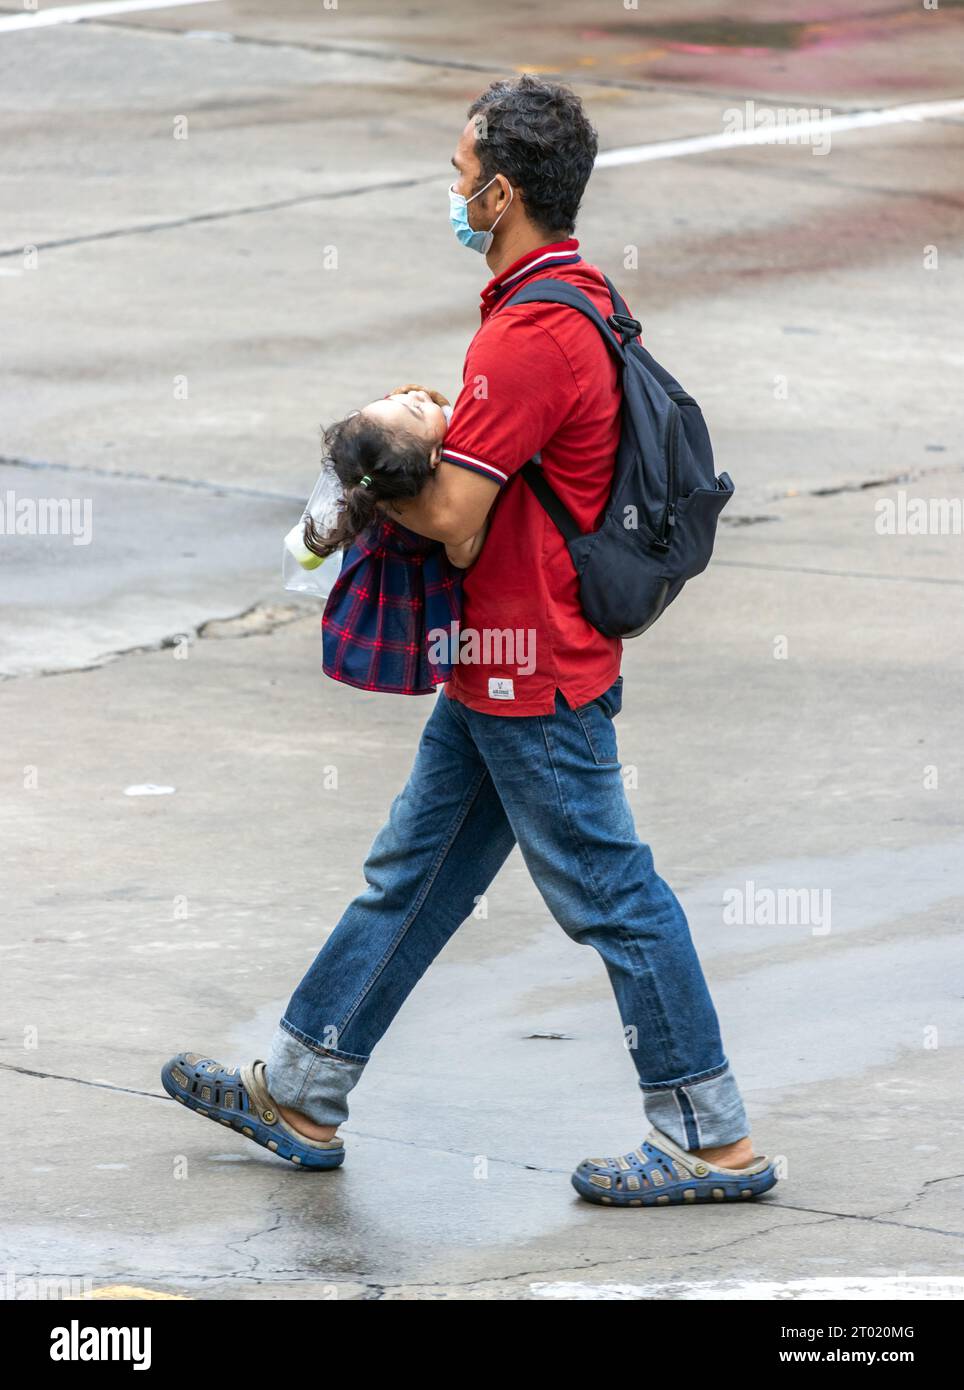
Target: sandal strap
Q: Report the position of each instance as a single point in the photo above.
(254, 1078)
(700, 1167)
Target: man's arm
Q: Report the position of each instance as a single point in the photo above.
(452, 506)
(518, 388)
(466, 554)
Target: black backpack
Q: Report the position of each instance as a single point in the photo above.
(660, 521)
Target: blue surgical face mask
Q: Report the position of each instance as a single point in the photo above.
(459, 218)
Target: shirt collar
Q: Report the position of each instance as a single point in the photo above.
(541, 258)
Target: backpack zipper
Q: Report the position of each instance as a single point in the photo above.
(669, 510)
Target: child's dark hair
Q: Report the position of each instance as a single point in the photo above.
(394, 460)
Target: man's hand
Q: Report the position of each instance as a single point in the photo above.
(435, 396)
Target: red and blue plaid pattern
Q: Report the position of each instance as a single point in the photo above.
(394, 587)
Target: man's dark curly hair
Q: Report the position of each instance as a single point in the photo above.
(538, 135)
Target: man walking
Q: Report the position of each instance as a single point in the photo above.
(520, 747)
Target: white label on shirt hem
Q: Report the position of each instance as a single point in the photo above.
(500, 688)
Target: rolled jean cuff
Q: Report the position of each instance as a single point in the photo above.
(308, 1081)
(698, 1114)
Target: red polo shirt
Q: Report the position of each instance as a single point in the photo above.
(537, 377)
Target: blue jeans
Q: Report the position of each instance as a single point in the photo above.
(480, 784)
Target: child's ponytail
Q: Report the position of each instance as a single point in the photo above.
(373, 464)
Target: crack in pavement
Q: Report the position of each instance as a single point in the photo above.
(237, 490)
(78, 1080)
(876, 1218)
(667, 88)
(361, 1134)
(931, 1181)
(605, 1260)
(272, 617)
(298, 1276)
(388, 55)
(355, 191)
(837, 488)
(254, 1235)
(838, 574)
(912, 1202)
(906, 475)
(168, 479)
(297, 200)
(879, 1218)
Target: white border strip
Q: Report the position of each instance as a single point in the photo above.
(791, 133)
(453, 456)
(549, 256)
(70, 14)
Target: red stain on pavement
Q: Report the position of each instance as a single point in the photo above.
(823, 48)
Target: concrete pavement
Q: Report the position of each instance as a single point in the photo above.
(818, 661)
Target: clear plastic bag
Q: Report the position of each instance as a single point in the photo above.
(301, 571)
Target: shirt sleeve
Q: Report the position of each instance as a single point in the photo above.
(518, 388)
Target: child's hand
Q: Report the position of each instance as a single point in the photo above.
(436, 396)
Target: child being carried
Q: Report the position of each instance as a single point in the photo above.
(394, 587)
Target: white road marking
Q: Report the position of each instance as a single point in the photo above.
(854, 1288)
(70, 14)
(793, 133)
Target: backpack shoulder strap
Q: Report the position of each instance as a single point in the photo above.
(547, 290)
(550, 500)
(619, 303)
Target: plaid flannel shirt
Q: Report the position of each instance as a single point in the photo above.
(393, 589)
